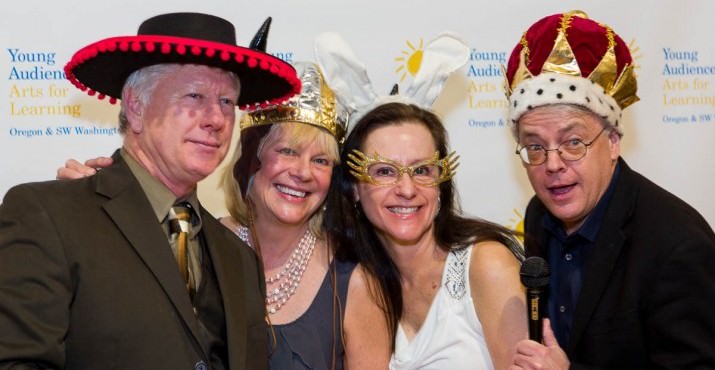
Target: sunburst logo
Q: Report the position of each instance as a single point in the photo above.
(517, 224)
(635, 53)
(410, 60)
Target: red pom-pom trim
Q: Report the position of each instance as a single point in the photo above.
(181, 46)
(79, 57)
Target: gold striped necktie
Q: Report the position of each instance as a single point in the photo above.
(179, 228)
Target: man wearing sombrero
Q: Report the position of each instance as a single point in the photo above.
(632, 279)
(125, 269)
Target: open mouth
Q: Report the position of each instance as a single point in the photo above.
(292, 192)
(560, 190)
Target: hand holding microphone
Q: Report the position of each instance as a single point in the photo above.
(534, 275)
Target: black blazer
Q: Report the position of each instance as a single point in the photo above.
(88, 281)
(648, 294)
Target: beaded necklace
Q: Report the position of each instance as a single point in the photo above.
(281, 286)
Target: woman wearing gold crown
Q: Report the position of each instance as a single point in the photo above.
(275, 193)
(321, 313)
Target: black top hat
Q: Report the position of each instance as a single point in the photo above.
(102, 67)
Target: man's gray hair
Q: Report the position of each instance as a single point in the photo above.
(570, 108)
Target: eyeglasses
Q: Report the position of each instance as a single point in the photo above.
(382, 171)
(569, 150)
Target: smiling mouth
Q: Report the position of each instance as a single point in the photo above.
(206, 143)
(403, 210)
(292, 192)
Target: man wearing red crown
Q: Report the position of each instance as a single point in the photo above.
(632, 266)
(125, 269)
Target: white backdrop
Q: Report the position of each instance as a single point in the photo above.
(668, 134)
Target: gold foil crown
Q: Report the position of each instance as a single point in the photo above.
(581, 48)
(315, 105)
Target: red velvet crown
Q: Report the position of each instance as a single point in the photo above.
(572, 44)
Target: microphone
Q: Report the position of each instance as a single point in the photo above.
(534, 275)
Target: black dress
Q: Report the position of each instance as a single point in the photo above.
(310, 341)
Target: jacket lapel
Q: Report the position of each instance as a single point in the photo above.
(128, 207)
(227, 262)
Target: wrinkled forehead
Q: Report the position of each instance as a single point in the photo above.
(205, 76)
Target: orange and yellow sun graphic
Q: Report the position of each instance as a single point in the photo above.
(517, 224)
(410, 60)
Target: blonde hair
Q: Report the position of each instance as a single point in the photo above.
(298, 134)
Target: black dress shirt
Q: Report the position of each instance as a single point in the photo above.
(567, 256)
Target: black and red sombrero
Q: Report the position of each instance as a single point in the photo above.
(102, 68)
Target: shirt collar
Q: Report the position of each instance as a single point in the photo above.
(160, 197)
(592, 225)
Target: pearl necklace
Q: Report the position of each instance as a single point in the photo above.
(281, 286)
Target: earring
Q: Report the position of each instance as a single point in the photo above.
(357, 207)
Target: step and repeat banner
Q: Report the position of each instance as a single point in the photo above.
(669, 134)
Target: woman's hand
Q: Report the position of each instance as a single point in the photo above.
(75, 170)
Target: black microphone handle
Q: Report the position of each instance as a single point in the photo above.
(535, 313)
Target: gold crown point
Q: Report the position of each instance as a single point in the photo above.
(315, 105)
(562, 60)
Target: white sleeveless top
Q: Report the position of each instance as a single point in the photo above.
(451, 336)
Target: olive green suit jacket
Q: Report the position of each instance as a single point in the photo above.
(88, 281)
